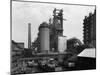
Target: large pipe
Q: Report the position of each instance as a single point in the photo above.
(44, 38)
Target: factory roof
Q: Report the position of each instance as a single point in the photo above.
(17, 45)
(89, 52)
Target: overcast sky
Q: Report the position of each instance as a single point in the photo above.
(35, 13)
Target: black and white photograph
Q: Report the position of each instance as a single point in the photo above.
(52, 37)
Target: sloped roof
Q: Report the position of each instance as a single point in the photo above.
(89, 52)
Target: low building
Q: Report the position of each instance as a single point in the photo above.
(17, 48)
(86, 59)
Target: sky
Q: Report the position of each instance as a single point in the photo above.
(36, 13)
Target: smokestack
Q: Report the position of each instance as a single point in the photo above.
(29, 35)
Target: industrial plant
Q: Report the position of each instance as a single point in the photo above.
(52, 51)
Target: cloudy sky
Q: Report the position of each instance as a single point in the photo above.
(35, 13)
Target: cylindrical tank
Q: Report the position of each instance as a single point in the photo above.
(44, 37)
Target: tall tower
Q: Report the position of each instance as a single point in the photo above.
(56, 29)
(29, 35)
(58, 21)
(89, 30)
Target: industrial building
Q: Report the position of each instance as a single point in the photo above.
(17, 47)
(89, 30)
(49, 34)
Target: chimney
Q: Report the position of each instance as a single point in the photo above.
(29, 35)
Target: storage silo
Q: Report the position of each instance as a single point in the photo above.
(44, 38)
